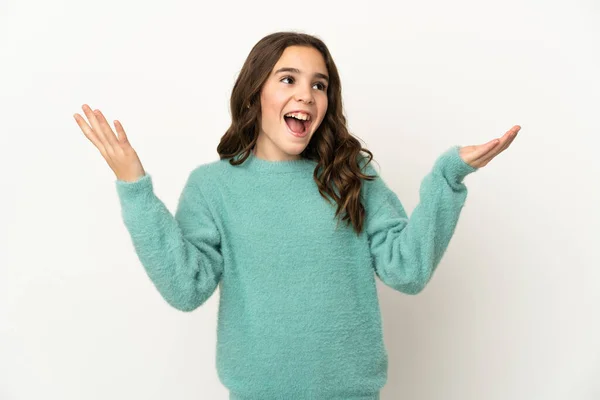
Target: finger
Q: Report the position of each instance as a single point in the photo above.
(122, 135)
(96, 126)
(505, 141)
(88, 132)
(110, 135)
(511, 135)
(482, 150)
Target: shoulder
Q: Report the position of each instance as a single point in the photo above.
(211, 169)
(373, 191)
(203, 176)
(371, 168)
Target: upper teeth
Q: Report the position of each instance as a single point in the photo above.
(299, 115)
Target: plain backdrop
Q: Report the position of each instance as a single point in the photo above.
(513, 311)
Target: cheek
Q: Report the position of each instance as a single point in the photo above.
(323, 111)
(272, 107)
(324, 104)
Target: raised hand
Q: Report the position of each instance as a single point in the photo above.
(478, 156)
(117, 152)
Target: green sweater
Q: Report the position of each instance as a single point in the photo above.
(299, 315)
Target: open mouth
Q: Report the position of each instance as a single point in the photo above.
(298, 123)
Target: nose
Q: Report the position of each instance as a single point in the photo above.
(304, 94)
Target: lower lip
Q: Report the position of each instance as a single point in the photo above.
(298, 135)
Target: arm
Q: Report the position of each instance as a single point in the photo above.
(181, 254)
(407, 251)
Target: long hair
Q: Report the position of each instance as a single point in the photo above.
(337, 152)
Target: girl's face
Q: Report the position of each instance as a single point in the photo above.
(298, 85)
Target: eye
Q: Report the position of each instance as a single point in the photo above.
(321, 85)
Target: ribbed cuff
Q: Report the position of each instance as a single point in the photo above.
(374, 396)
(127, 189)
(451, 165)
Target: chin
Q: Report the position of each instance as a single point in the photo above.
(294, 149)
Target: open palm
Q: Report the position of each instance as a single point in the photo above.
(478, 156)
(117, 151)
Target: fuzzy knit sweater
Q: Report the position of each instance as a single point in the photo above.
(298, 315)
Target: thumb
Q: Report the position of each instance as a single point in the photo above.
(121, 132)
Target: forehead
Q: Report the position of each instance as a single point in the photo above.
(306, 59)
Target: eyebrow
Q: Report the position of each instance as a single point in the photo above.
(297, 71)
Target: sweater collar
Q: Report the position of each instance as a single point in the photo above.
(254, 163)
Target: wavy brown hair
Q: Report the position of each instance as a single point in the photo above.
(338, 153)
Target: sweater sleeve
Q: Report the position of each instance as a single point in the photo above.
(180, 253)
(406, 251)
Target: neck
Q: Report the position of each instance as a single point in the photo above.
(300, 165)
(265, 149)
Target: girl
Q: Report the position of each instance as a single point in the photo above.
(298, 315)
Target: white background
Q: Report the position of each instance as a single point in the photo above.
(513, 309)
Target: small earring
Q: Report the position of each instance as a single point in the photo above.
(248, 106)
